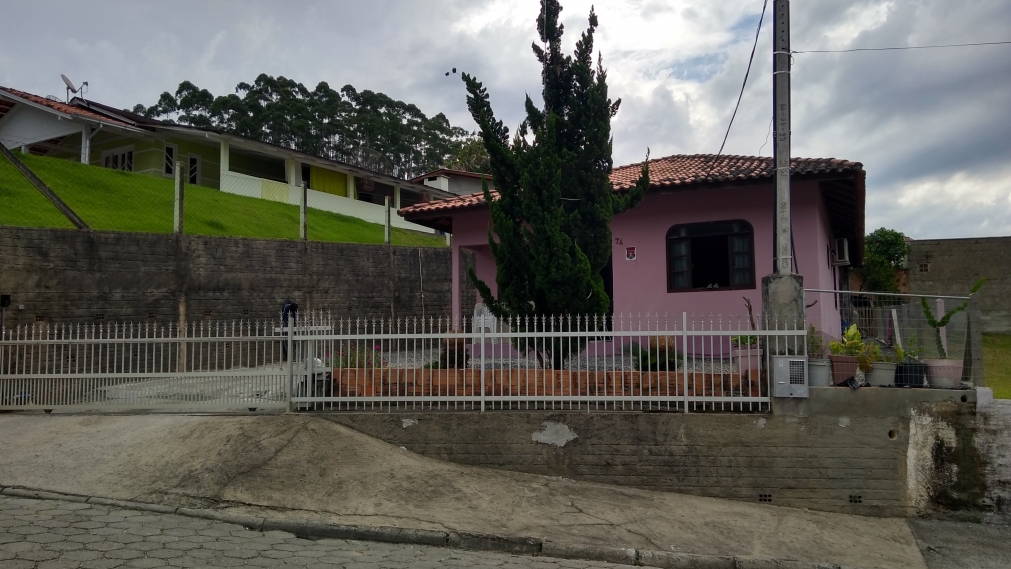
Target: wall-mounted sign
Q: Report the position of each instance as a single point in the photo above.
(629, 253)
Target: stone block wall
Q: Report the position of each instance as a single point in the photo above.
(952, 266)
(875, 451)
(87, 276)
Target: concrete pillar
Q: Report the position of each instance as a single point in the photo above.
(303, 227)
(223, 161)
(178, 215)
(86, 145)
(386, 225)
(783, 302)
(455, 256)
(396, 197)
(351, 187)
(294, 172)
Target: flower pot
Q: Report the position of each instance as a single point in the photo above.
(881, 374)
(843, 367)
(911, 374)
(819, 373)
(944, 374)
(749, 361)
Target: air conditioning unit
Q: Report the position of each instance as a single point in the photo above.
(842, 252)
(789, 376)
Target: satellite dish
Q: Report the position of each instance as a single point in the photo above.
(69, 83)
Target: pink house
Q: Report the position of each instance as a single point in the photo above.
(696, 243)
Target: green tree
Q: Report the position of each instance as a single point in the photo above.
(471, 156)
(358, 127)
(885, 250)
(551, 234)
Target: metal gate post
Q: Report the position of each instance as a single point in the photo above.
(483, 317)
(291, 359)
(684, 352)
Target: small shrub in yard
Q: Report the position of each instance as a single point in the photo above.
(453, 354)
(360, 357)
(659, 354)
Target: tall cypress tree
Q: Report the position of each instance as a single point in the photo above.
(551, 232)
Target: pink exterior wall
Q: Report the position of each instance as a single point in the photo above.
(640, 286)
(470, 231)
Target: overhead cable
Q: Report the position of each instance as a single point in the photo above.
(902, 47)
(765, 3)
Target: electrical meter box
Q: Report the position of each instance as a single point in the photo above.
(789, 376)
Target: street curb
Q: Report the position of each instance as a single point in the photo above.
(520, 545)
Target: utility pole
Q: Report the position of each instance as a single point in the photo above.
(781, 145)
(782, 291)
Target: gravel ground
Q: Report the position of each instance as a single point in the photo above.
(609, 363)
(412, 359)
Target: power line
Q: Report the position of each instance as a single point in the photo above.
(741, 94)
(902, 47)
(766, 136)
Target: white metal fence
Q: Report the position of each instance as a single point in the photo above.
(208, 366)
(562, 363)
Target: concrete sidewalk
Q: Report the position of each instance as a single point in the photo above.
(302, 467)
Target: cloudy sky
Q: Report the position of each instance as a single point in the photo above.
(932, 127)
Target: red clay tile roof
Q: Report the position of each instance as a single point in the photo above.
(684, 169)
(63, 107)
(673, 171)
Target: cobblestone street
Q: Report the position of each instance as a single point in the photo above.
(43, 534)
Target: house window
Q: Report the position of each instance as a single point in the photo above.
(708, 256)
(170, 159)
(924, 268)
(118, 158)
(193, 175)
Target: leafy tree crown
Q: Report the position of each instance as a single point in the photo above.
(359, 127)
(550, 234)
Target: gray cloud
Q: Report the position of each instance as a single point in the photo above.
(930, 126)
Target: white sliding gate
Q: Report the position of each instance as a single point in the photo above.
(200, 366)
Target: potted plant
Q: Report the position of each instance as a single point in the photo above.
(910, 371)
(845, 355)
(819, 374)
(880, 369)
(747, 355)
(943, 372)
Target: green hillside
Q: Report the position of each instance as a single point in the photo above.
(112, 200)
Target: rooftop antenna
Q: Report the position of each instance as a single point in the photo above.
(71, 88)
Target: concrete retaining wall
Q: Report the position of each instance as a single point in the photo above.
(62, 275)
(994, 431)
(946, 266)
(842, 454)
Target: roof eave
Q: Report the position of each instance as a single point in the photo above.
(266, 147)
(68, 116)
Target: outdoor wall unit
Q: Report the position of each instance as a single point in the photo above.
(789, 376)
(842, 252)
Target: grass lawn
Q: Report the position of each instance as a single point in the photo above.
(112, 200)
(997, 364)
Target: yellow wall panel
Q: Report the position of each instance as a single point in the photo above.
(328, 181)
(275, 191)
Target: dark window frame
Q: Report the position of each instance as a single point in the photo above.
(671, 237)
